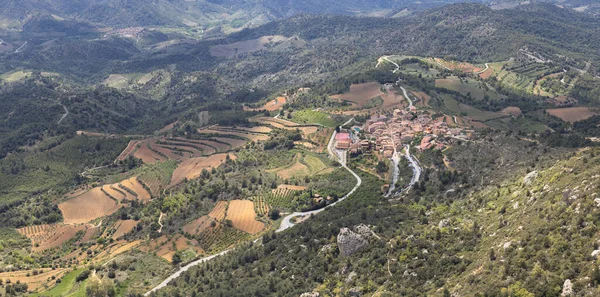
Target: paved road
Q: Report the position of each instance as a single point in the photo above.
(410, 103)
(414, 164)
(184, 269)
(285, 224)
(287, 220)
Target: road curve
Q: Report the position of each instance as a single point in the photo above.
(410, 103)
(64, 115)
(285, 223)
(184, 269)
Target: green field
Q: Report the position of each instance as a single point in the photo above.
(467, 87)
(308, 116)
(457, 108)
(67, 287)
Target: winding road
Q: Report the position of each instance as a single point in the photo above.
(287, 220)
(413, 163)
(484, 70)
(285, 223)
(64, 115)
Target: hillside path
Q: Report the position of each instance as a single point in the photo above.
(64, 115)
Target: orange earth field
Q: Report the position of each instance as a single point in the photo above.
(243, 217)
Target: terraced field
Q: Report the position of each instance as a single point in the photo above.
(192, 168)
(220, 237)
(286, 125)
(35, 279)
(44, 237)
(197, 226)
(123, 227)
(102, 201)
(281, 198)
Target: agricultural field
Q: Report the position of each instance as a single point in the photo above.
(271, 105)
(308, 116)
(286, 125)
(300, 166)
(157, 176)
(198, 225)
(88, 206)
(44, 237)
(219, 131)
(283, 198)
(360, 94)
(422, 97)
(102, 200)
(218, 212)
(467, 87)
(452, 106)
(192, 168)
(457, 66)
(572, 114)
(166, 247)
(243, 217)
(36, 279)
(122, 227)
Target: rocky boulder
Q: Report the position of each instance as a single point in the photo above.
(530, 177)
(567, 288)
(349, 242)
(310, 294)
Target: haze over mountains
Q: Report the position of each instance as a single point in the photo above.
(233, 15)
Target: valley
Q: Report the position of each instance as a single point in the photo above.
(207, 148)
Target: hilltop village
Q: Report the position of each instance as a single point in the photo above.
(387, 134)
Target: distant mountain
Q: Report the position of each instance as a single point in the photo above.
(202, 13)
(587, 6)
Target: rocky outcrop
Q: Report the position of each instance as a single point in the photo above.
(364, 231)
(530, 177)
(444, 223)
(310, 294)
(350, 242)
(567, 288)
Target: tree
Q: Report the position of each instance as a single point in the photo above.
(177, 258)
(274, 214)
(100, 288)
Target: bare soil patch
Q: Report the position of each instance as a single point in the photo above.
(572, 114)
(192, 168)
(124, 227)
(243, 217)
(512, 110)
(362, 93)
(198, 225)
(272, 105)
(87, 207)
